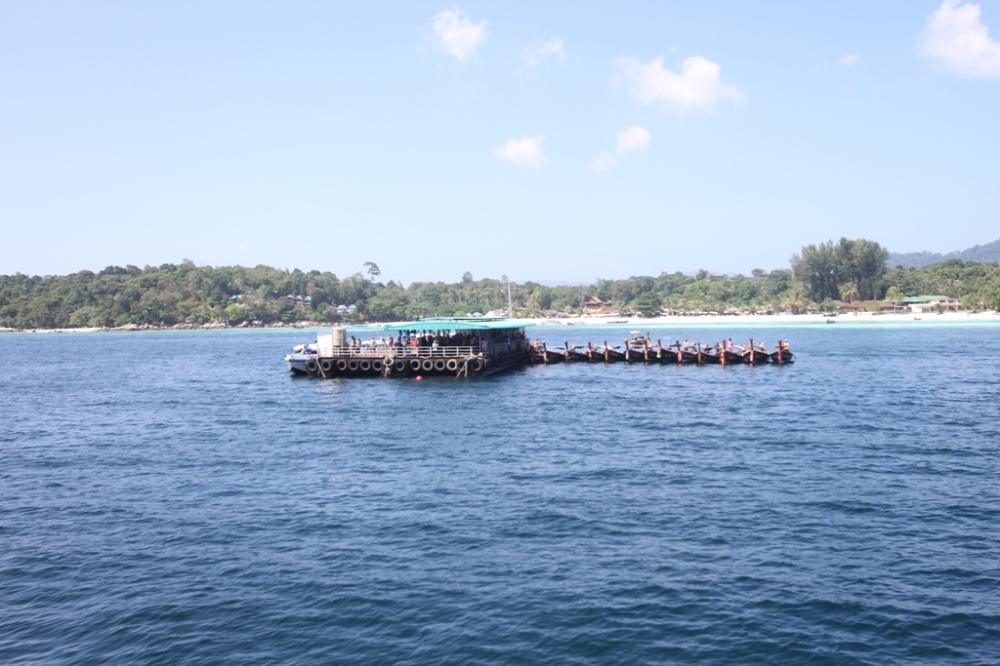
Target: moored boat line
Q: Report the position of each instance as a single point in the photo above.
(640, 349)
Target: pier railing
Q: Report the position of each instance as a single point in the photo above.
(381, 351)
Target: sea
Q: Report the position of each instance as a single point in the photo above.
(178, 497)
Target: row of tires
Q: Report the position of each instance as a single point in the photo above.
(399, 366)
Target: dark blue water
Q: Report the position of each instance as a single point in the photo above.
(178, 498)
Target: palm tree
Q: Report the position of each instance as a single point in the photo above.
(894, 295)
(849, 292)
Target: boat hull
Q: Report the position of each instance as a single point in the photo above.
(786, 357)
(546, 356)
(708, 358)
(404, 366)
(640, 356)
(757, 358)
(673, 357)
(612, 356)
(730, 358)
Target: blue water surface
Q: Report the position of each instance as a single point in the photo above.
(177, 497)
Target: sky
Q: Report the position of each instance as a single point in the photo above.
(557, 141)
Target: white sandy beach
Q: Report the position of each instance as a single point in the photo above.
(676, 321)
(748, 320)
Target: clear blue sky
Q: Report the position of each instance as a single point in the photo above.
(491, 137)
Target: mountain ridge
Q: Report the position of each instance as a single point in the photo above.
(988, 253)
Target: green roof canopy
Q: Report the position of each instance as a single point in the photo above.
(449, 324)
(926, 298)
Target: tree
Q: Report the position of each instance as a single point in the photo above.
(849, 292)
(894, 295)
(466, 277)
(991, 293)
(816, 268)
(822, 269)
(648, 304)
(372, 269)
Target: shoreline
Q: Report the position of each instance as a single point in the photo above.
(678, 321)
(743, 320)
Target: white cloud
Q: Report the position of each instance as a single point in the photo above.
(456, 34)
(849, 60)
(603, 162)
(633, 140)
(525, 151)
(550, 48)
(958, 40)
(697, 86)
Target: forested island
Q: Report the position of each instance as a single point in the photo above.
(820, 278)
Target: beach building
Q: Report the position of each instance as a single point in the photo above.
(597, 304)
(932, 303)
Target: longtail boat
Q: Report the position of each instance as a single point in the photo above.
(593, 354)
(611, 354)
(727, 357)
(708, 354)
(679, 354)
(540, 353)
(782, 353)
(637, 349)
(755, 356)
(579, 353)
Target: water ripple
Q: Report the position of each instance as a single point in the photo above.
(176, 497)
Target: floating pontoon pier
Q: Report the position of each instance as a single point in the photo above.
(458, 347)
(461, 347)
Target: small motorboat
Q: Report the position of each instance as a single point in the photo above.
(302, 360)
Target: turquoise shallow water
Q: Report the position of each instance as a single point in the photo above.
(178, 498)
